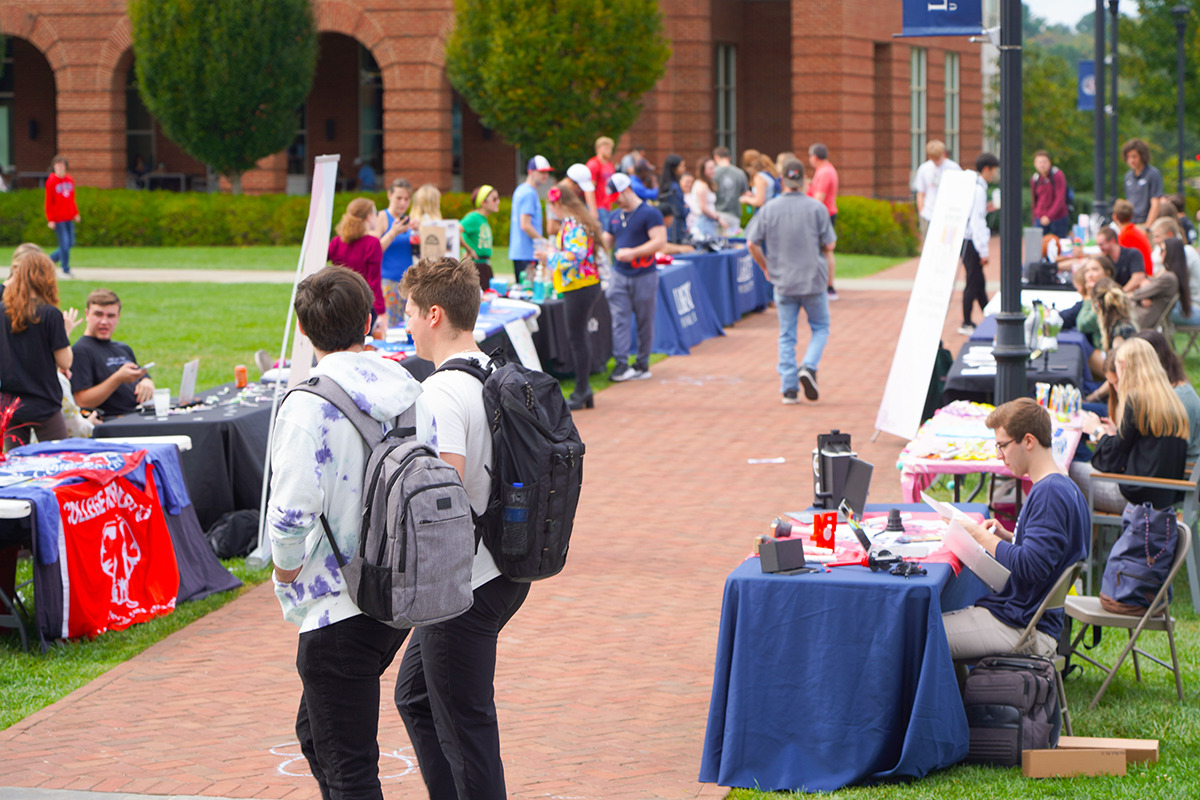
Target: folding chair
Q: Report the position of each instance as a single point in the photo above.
(1054, 599)
(1191, 331)
(1162, 322)
(1157, 618)
(13, 514)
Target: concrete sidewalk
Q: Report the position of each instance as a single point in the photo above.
(604, 676)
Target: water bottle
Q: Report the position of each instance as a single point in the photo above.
(514, 542)
(539, 285)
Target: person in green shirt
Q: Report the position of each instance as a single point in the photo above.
(477, 233)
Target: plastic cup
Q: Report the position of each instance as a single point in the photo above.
(162, 403)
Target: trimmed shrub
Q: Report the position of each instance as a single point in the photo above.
(871, 227)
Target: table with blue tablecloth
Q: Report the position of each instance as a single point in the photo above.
(734, 283)
(683, 316)
(830, 679)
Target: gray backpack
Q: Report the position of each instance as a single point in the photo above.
(413, 562)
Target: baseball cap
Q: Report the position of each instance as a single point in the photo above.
(582, 176)
(618, 183)
(538, 164)
(793, 174)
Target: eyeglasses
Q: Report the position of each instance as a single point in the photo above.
(1001, 445)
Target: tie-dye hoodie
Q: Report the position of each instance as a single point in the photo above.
(318, 459)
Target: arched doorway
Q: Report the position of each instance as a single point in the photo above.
(28, 120)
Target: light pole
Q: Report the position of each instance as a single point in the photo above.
(1011, 351)
(1181, 14)
(1099, 204)
(1115, 144)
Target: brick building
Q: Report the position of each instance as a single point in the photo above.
(769, 74)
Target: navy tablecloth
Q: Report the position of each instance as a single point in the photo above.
(734, 283)
(986, 332)
(683, 315)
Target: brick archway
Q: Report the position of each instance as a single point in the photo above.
(26, 23)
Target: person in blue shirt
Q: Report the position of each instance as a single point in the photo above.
(670, 192)
(367, 180)
(526, 221)
(1053, 532)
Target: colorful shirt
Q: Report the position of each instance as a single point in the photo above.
(573, 262)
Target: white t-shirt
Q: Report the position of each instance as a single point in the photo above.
(456, 400)
(929, 176)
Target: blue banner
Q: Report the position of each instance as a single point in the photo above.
(942, 17)
(1087, 86)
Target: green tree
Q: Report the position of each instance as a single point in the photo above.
(551, 75)
(1149, 66)
(225, 77)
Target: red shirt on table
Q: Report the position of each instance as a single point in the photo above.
(60, 199)
(1133, 237)
(364, 256)
(825, 179)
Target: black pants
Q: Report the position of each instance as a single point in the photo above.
(445, 696)
(577, 308)
(519, 267)
(49, 429)
(976, 288)
(338, 719)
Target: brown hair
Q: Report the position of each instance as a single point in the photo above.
(58, 159)
(1122, 211)
(1107, 233)
(400, 183)
(353, 225)
(750, 161)
(1112, 307)
(452, 285)
(574, 207)
(1168, 224)
(1045, 153)
(1175, 260)
(333, 307)
(1139, 147)
(102, 297)
(1021, 416)
(23, 248)
(1166, 356)
(30, 284)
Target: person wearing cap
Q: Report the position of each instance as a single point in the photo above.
(637, 232)
(526, 221)
(824, 188)
(477, 232)
(789, 238)
(580, 178)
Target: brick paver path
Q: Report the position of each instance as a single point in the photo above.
(604, 676)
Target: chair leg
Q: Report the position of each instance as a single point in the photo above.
(1133, 637)
(1137, 670)
(1062, 702)
(1174, 660)
(1193, 568)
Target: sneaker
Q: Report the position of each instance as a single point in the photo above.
(263, 360)
(809, 381)
(832, 292)
(69, 276)
(640, 374)
(622, 372)
(966, 330)
(791, 397)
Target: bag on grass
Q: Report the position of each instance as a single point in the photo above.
(1012, 705)
(412, 565)
(537, 469)
(234, 534)
(1140, 559)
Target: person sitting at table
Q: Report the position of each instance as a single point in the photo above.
(1156, 297)
(1130, 235)
(1053, 531)
(1115, 318)
(672, 248)
(1128, 266)
(1173, 365)
(1163, 230)
(33, 347)
(106, 375)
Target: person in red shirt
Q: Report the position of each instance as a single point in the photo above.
(602, 168)
(1048, 187)
(824, 188)
(1131, 235)
(61, 212)
(355, 248)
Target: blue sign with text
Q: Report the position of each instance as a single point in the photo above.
(1087, 86)
(942, 17)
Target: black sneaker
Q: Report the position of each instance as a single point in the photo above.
(622, 372)
(791, 397)
(832, 292)
(808, 380)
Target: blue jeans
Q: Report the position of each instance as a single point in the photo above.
(816, 308)
(65, 233)
(1179, 319)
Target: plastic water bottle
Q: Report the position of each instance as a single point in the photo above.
(515, 540)
(539, 285)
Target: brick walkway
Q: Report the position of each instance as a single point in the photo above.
(604, 676)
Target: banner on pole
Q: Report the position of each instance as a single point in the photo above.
(942, 17)
(1087, 86)
(315, 251)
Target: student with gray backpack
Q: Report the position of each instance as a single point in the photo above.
(319, 459)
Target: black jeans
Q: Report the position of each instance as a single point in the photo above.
(577, 308)
(445, 696)
(338, 719)
(976, 288)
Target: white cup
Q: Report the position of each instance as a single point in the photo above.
(162, 403)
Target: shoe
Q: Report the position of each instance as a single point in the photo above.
(791, 397)
(832, 292)
(622, 372)
(263, 360)
(640, 374)
(579, 403)
(70, 276)
(966, 330)
(809, 381)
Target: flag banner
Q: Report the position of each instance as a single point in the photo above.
(1087, 86)
(943, 17)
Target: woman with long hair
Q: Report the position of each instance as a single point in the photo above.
(1155, 297)
(355, 248)
(572, 265)
(671, 193)
(1113, 314)
(34, 348)
(393, 225)
(1172, 364)
(703, 221)
(763, 175)
(477, 231)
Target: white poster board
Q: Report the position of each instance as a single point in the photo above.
(916, 350)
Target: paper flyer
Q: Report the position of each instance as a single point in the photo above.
(976, 558)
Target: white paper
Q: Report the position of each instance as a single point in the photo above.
(944, 510)
(975, 557)
(187, 386)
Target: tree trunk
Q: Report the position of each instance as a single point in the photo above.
(235, 182)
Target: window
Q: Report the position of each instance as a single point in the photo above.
(370, 109)
(726, 96)
(6, 104)
(456, 143)
(953, 97)
(297, 162)
(917, 94)
(139, 127)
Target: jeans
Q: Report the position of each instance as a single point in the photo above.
(577, 307)
(338, 719)
(446, 697)
(635, 295)
(816, 308)
(1179, 319)
(65, 233)
(1059, 227)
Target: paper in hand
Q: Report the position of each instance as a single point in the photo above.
(975, 556)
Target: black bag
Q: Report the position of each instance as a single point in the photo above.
(1041, 273)
(537, 469)
(1140, 559)
(234, 534)
(1012, 705)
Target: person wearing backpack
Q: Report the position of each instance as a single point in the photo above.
(444, 690)
(1048, 186)
(318, 460)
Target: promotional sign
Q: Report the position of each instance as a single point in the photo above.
(942, 17)
(1087, 86)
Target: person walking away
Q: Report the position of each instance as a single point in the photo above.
(61, 212)
(394, 224)
(1143, 183)
(929, 178)
(637, 232)
(525, 223)
(978, 238)
(824, 188)
(789, 239)
(477, 231)
(730, 184)
(1048, 187)
(355, 248)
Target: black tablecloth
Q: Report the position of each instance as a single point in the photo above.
(1066, 365)
(224, 467)
(554, 346)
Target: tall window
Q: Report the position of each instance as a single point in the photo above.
(953, 97)
(139, 126)
(6, 104)
(918, 99)
(297, 152)
(370, 109)
(726, 94)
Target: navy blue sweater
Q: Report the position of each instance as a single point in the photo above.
(1053, 532)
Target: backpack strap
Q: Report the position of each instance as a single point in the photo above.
(367, 426)
(467, 365)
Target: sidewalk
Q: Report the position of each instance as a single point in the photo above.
(603, 678)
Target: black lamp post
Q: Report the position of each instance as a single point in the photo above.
(1181, 14)
(1099, 203)
(1115, 144)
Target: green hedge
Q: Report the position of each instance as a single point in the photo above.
(130, 218)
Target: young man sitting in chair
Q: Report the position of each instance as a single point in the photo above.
(1052, 532)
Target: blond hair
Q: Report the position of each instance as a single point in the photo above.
(1145, 387)
(935, 148)
(426, 203)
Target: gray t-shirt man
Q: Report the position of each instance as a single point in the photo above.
(1141, 189)
(731, 184)
(793, 230)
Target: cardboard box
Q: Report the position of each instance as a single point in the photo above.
(1137, 751)
(1070, 763)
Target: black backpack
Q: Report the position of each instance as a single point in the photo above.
(234, 534)
(537, 469)
(1012, 705)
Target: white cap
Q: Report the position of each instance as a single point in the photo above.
(538, 164)
(619, 182)
(582, 176)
